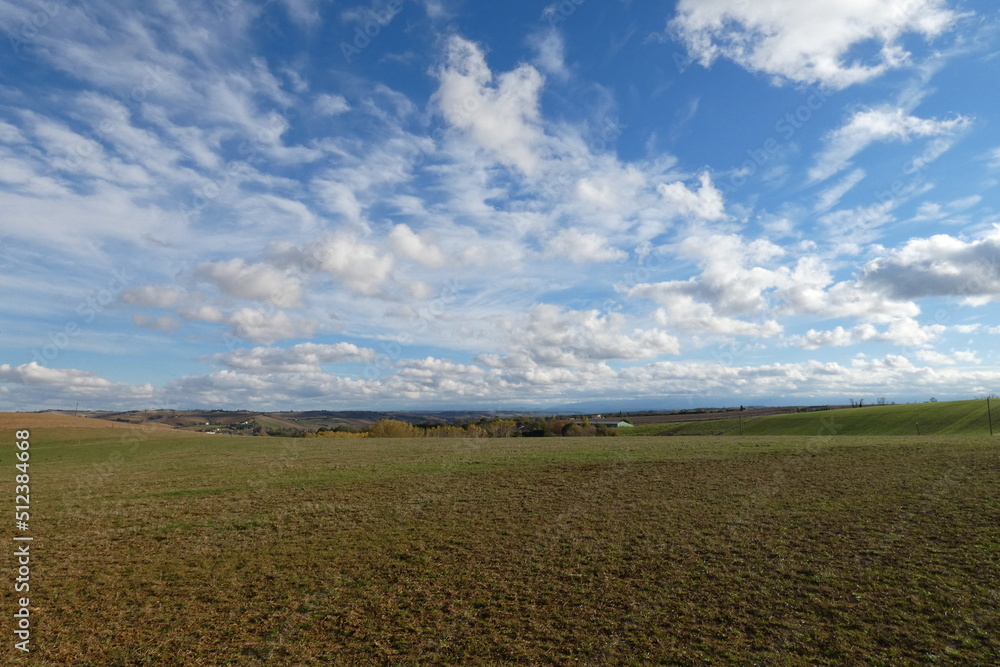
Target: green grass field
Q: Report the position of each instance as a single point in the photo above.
(172, 548)
(942, 418)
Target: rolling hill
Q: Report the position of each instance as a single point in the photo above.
(942, 418)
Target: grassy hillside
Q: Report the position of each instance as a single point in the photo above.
(942, 418)
(175, 548)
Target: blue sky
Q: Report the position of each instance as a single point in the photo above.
(299, 204)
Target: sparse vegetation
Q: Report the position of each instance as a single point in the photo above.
(160, 547)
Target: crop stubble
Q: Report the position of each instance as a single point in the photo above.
(529, 551)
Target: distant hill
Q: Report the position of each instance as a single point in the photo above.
(310, 420)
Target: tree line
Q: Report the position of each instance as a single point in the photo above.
(526, 427)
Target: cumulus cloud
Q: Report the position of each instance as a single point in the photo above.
(407, 243)
(731, 280)
(58, 387)
(704, 204)
(851, 299)
(581, 248)
(838, 337)
(902, 331)
(871, 125)
(941, 265)
(807, 42)
(553, 336)
(203, 313)
(301, 358)
(261, 282)
(254, 324)
(501, 113)
(936, 358)
(682, 312)
(741, 279)
(211, 127)
(362, 267)
(261, 326)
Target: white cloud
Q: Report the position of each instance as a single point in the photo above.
(705, 204)
(40, 386)
(848, 231)
(830, 196)
(263, 326)
(550, 51)
(731, 278)
(257, 325)
(850, 298)
(362, 267)
(929, 210)
(838, 337)
(501, 116)
(871, 125)
(807, 42)
(993, 158)
(549, 335)
(405, 207)
(941, 359)
(305, 13)
(331, 105)
(682, 312)
(301, 358)
(582, 248)
(261, 282)
(941, 265)
(204, 314)
(908, 332)
(408, 243)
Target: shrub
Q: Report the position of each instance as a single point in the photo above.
(392, 428)
(571, 429)
(501, 428)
